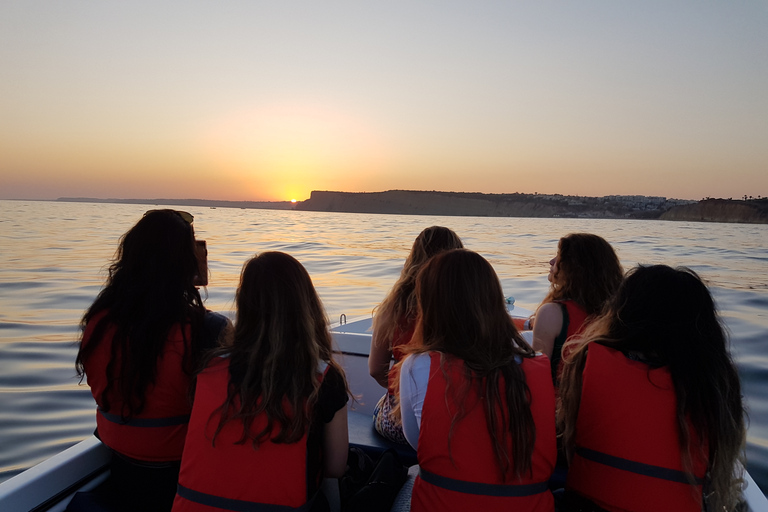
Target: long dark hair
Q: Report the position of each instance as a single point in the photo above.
(148, 291)
(588, 273)
(668, 317)
(399, 306)
(281, 336)
(462, 314)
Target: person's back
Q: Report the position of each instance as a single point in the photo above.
(461, 454)
(394, 323)
(583, 276)
(627, 453)
(228, 471)
(477, 403)
(651, 402)
(142, 338)
(166, 408)
(269, 415)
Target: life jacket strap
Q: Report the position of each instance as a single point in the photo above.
(237, 505)
(171, 421)
(673, 475)
(499, 490)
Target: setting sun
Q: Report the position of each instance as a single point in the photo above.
(287, 149)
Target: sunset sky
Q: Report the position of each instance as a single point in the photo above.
(255, 100)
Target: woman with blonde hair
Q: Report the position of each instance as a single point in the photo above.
(393, 326)
(477, 403)
(652, 411)
(584, 274)
(269, 418)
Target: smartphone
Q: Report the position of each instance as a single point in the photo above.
(201, 252)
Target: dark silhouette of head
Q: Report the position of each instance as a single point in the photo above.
(668, 314)
(150, 288)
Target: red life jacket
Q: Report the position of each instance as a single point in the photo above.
(231, 476)
(400, 339)
(574, 322)
(628, 454)
(458, 465)
(158, 432)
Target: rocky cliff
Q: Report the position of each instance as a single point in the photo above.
(721, 210)
(411, 202)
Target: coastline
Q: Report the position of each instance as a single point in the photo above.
(413, 202)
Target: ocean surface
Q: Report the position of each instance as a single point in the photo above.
(54, 256)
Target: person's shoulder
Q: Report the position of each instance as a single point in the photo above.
(333, 393)
(215, 329)
(417, 362)
(549, 317)
(550, 309)
(215, 322)
(333, 380)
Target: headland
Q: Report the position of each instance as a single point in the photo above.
(415, 202)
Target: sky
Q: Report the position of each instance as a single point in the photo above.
(267, 101)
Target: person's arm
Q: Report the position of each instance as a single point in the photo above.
(336, 445)
(227, 335)
(380, 355)
(414, 378)
(218, 330)
(546, 327)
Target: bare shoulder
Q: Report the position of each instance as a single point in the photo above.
(546, 326)
(549, 312)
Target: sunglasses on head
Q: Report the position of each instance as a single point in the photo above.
(188, 217)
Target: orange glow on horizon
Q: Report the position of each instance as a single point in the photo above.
(284, 151)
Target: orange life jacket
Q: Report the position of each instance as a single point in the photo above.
(231, 475)
(157, 433)
(458, 465)
(628, 453)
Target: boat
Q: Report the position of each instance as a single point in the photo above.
(50, 485)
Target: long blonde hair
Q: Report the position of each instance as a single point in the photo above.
(398, 309)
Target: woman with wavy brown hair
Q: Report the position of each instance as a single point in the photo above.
(652, 411)
(269, 417)
(143, 339)
(584, 274)
(394, 322)
(477, 403)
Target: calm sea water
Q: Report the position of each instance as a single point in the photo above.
(53, 259)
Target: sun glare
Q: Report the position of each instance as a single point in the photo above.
(278, 146)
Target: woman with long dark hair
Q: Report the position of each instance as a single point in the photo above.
(477, 403)
(269, 418)
(584, 274)
(393, 326)
(651, 411)
(142, 340)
